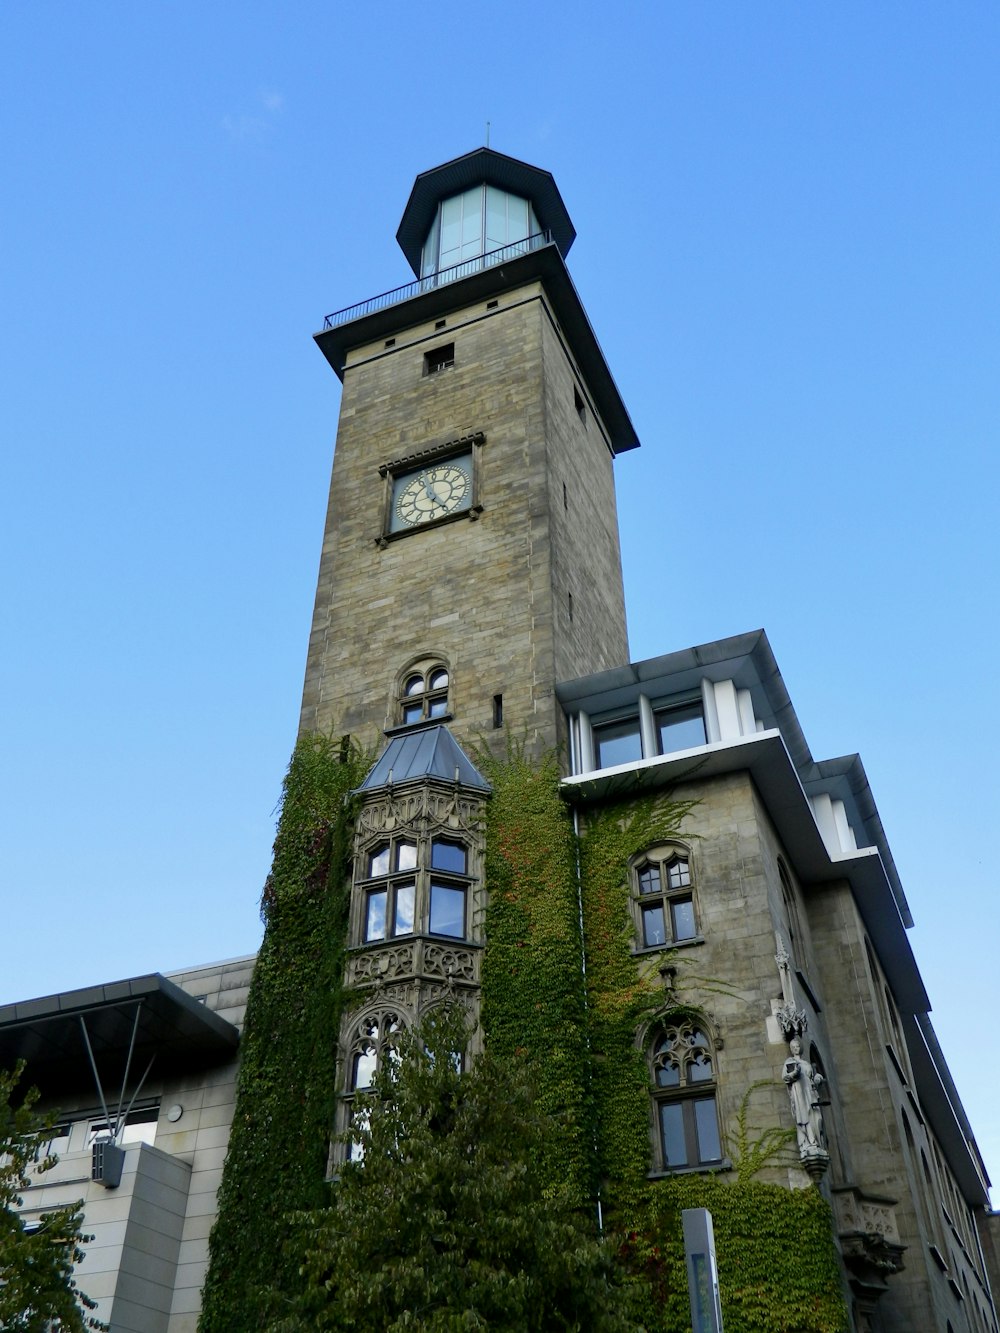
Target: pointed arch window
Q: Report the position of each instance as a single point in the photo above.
(376, 1039)
(682, 1067)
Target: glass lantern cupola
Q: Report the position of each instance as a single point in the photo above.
(477, 206)
(474, 223)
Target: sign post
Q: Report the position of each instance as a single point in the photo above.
(703, 1275)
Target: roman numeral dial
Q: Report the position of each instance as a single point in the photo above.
(432, 493)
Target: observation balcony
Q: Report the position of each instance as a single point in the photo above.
(439, 279)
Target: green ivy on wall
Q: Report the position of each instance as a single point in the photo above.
(777, 1258)
(621, 999)
(778, 1265)
(533, 988)
(285, 1100)
(778, 1270)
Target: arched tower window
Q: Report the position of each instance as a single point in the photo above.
(423, 693)
(682, 1067)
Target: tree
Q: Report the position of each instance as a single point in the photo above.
(37, 1289)
(446, 1221)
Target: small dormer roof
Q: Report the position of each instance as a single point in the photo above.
(484, 166)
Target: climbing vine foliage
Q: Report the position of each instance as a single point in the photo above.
(534, 997)
(778, 1266)
(563, 994)
(449, 1220)
(285, 1098)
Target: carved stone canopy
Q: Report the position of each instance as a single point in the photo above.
(869, 1242)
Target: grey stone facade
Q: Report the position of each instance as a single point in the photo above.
(490, 591)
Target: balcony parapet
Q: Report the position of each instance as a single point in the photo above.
(438, 279)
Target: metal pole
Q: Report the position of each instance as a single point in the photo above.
(128, 1065)
(97, 1077)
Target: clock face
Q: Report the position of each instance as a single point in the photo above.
(433, 492)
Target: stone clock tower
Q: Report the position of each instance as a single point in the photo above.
(471, 553)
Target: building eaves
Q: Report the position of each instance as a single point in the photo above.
(170, 1027)
(766, 758)
(941, 1103)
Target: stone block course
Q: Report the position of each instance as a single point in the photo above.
(510, 618)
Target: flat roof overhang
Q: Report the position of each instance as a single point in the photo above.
(765, 757)
(544, 265)
(746, 660)
(175, 1030)
(943, 1107)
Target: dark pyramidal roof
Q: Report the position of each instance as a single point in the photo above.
(431, 752)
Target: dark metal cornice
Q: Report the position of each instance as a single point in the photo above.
(543, 265)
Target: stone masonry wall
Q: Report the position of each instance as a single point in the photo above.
(478, 593)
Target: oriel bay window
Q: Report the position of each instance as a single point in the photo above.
(413, 885)
(390, 899)
(683, 1075)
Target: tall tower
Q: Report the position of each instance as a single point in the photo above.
(471, 553)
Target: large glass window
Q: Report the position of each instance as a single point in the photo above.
(683, 1077)
(680, 727)
(617, 742)
(476, 222)
(411, 886)
(139, 1127)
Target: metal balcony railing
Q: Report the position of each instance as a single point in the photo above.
(438, 279)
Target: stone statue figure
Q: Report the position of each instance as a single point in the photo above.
(804, 1084)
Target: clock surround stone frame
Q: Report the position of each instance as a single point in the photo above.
(391, 472)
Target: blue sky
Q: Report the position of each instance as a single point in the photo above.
(788, 221)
